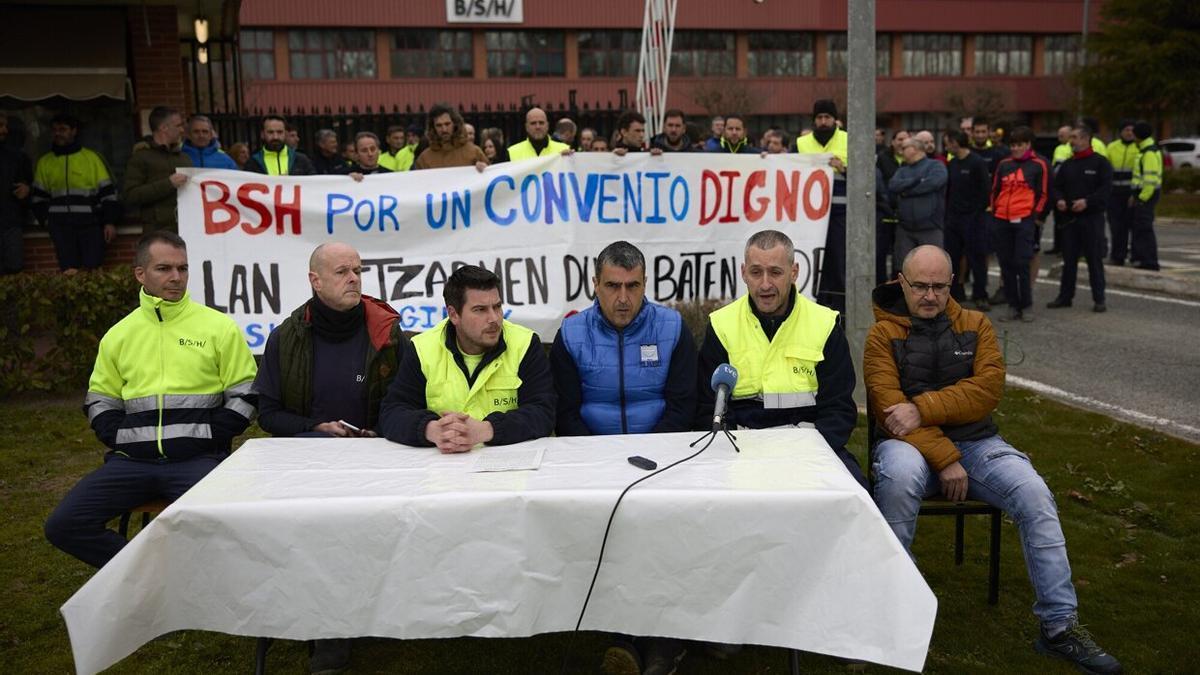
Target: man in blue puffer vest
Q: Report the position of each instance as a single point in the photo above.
(626, 366)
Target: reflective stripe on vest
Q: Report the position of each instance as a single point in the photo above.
(496, 385)
(781, 372)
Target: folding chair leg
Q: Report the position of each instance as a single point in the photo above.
(123, 526)
(994, 562)
(260, 655)
(794, 661)
(145, 519)
(958, 539)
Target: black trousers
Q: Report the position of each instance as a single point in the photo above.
(1083, 235)
(1145, 244)
(967, 237)
(1119, 214)
(832, 289)
(1014, 243)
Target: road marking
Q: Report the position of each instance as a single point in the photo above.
(1176, 428)
(1110, 290)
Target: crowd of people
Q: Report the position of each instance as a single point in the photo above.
(174, 383)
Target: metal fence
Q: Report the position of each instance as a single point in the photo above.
(509, 118)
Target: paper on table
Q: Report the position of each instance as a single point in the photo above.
(509, 459)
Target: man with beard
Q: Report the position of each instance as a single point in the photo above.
(473, 378)
(733, 140)
(1124, 154)
(828, 138)
(448, 142)
(276, 157)
(674, 136)
(151, 176)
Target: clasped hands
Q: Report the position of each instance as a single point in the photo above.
(457, 432)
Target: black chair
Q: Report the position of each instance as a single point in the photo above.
(939, 506)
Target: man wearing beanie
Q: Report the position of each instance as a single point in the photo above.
(1123, 154)
(1146, 188)
(826, 137)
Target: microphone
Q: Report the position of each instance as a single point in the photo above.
(724, 379)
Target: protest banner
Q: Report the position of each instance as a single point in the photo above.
(538, 224)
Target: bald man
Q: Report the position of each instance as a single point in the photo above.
(934, 374)
(537, 142)
(327, 366)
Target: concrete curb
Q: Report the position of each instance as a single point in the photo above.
(1184, 283)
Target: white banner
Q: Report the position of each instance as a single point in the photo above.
(538, 224)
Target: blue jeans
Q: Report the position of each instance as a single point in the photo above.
(1002, 476)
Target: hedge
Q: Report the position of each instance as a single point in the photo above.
(52, 325)
(1186, 179)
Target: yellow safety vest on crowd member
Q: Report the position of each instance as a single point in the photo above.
(1062, 153)
(837, 145)
(401, 161)
(496, 378)
(524, 150)
(1098, 147)
(1124, 157)
(73, 188)
(1147, 172)
(783, 371)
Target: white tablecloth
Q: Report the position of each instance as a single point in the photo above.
(310, 538)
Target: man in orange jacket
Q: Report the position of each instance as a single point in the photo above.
(934, 374)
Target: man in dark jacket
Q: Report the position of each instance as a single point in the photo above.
(1081, 188)
(16, 175)
(276, 157)
(626, 366)
(151, 179)
(920, 191)
(473, 378)
(733, 139)
(934, 374)
(674, 137)
(326, 369)
(967, 218)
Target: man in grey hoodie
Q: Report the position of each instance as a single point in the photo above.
(920, 190)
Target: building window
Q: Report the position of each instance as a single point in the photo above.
(702, 53)
(1062, 54)
(431, 53)
(781, 54)
(525, 53)
(836, 49)
(932, 54)
(331, 54)
(1003, 54)
(609, 53)
(257, 53)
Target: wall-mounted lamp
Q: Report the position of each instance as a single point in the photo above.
(201, 25)
(202, 55)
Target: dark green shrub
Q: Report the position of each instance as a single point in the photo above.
(1184, 178)
(52, 325)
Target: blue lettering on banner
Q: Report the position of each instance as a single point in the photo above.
(531, 213)
(366, 214)
(422, 317)
(487, 201)
(606, 197)
(256, 334)
(459, 208)
(656, 217)
(331, 211)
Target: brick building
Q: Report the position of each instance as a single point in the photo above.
(108, 63)
(770, 59)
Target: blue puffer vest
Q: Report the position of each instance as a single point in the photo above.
(623, 373)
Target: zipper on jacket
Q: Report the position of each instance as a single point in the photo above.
(621, 377)
(162, 371)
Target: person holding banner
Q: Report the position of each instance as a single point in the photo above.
(473, 378)
(537, 142)
(791, 354)
(733, 139)
(449, 144)
(366, 149)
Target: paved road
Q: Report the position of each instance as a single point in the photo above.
(1139, 362)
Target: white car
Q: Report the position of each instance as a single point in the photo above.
(1183, 151)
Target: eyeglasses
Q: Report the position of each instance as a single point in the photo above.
(922, 289)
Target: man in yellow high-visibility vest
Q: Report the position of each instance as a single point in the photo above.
(473, 378)
(537, 142)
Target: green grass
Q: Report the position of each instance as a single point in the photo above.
(1125, 496)
(1179, 206)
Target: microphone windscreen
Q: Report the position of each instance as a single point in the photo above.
(724, 374)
